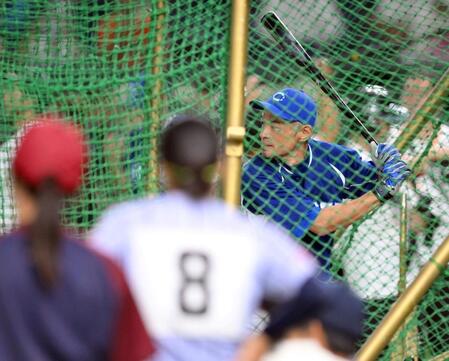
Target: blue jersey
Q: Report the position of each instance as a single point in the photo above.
(293, 196)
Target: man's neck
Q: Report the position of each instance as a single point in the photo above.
(296, 156)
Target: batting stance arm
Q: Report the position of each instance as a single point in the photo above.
(394, 173)
(343, 215)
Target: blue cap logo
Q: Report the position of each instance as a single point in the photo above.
(291, 105)
(279, 96)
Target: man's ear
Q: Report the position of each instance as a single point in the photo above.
(304, 133)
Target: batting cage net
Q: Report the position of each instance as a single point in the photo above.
(121, 69)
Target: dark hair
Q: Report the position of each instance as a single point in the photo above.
(340, 342)
(190, 146)
(45, 232)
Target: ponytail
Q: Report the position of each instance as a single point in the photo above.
(45, 232)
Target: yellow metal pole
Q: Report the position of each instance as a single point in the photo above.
(156, 102)
(405, 304)
(235, 130)
(402, 284)
(408, 346)
(403, 230)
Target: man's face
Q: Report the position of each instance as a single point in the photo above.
(278, 136)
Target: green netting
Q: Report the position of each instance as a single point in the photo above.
(121, 68)
(94, 62)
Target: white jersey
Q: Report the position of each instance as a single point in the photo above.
(199, 270)
(371, 261)
(434, 183)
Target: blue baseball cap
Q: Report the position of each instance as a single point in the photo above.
(291, 105)
(335, 305)
(342, 310)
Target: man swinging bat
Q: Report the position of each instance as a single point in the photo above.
(300, 182)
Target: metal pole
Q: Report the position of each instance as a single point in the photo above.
(235, 130)
(405, 304)
(156, 101)
(402, 284)
(403, 261)
(403, 230)
(408, 345)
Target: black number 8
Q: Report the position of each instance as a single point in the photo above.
(194, 292)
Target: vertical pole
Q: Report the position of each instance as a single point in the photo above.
(407, 342)
(156, 101)
(403, 230)
(235, 130)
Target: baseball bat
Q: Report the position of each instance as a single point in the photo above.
(280, 32)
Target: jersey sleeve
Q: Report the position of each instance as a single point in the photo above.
(285, 265)
(263, 195)
(130, 340)
(361, 175)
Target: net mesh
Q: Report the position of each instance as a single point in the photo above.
(121, 68)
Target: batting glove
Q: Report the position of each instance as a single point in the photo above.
(384, 153)
(394, 172)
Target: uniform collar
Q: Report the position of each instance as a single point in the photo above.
(306, 162)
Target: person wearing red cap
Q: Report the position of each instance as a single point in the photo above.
(60, 300)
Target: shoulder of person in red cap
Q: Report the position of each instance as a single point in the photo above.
(89, 312)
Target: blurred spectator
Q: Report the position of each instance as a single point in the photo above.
(19, 106)
(127, 142)
(19, 18)
(59, 299)
(115, 119)
(52, 39)
(370, 247)
(124, 36)
(327, 328)
(432, 184)
(313, 21)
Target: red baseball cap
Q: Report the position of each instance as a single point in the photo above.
(51, 148)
